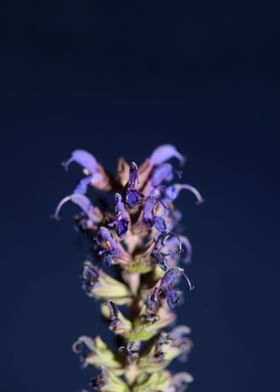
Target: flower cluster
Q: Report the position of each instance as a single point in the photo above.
(137, 252)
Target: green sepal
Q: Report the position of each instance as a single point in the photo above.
(144, 331)
(115, 384)
(103, 356)
(137, 265)
(108, 288)
(159, 381)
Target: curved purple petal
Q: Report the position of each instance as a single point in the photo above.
(149, 218)
(82, 185)
(164, 153)
(83, 158)
(164, 172)
(184, 246)
(104, 236)
(173, 191)
(81, 201)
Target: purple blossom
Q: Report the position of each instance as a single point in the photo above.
(169, 280)
(157, 253)
(161, 173)
(132, 196)
(149, 216)
(164, 242)
(90, 166)
(164, 153)
(109, 246)
(81, 201)
(185, 251)
(122, 221)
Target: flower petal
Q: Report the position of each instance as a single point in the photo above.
(164, 172)
(164, 153)
(173, 191)
(81, 201)
(83, 158)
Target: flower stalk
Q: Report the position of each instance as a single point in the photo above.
(134, 271)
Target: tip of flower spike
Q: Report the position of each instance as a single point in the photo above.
(59, 206)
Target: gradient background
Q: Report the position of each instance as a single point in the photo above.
(122, 78)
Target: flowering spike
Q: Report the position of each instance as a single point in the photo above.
(138, 237)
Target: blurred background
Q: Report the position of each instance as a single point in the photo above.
(119, 79)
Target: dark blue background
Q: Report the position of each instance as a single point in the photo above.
(122, 78)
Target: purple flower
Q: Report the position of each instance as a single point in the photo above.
(92, 169)
(157, 253)
(161, 173)
(85, 205)
(172, 244)
(132, 196)
(109, 246)
(169, 280)
(172, 192)
(149, 216)
(90, 277)
(185, 248)
(164, 153)
(122, 221)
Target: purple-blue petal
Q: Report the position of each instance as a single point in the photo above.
(82, 185)
(81, 201)
(164, 153)
(173, 297)
(133, 198)
(83, 158)
(164, 172)
(173, 191)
